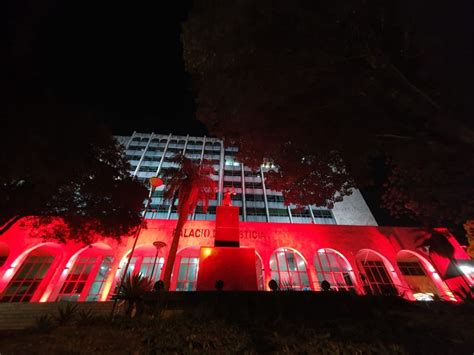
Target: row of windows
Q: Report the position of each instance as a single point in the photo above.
(278, 212)
(232, 172)
(254, 197)
(171, 149)
(174, 141)
(411, 268)
(286, 266)
(253, 209)
(147, 168)
(275, 198)
(253, 185)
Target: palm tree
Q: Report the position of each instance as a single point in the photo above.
(190, 183)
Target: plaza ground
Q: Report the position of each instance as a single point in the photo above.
(282, 322)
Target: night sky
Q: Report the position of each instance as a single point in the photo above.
(122, 62)
(125, 63)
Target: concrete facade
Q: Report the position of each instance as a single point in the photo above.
(149, 154)
(359, 259)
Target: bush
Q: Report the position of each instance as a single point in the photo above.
(44, 323)
(86, 318)
(132, 290)
(66, 313)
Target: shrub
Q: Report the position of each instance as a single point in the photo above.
(66, 313)
(86, 317)
(132, 291)
(44, 323)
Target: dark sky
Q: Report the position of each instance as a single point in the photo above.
(122, 61)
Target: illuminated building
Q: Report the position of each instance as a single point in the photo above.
(345, 248)
(150, 154)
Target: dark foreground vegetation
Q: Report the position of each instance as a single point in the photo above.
(287, 322)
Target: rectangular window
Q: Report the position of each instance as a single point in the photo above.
(379, 281)
(256, 212)
(251, 174)
(210, 209)
(76, 279)
(322, 214)
(236, 184)
(411, 268)
(98, 284)
(254, 197)
(301, 212)
(275, 198)
(253, 185)
(232, 172)
(278, 212)
(27, 279)
(150, 169)
(157, 193)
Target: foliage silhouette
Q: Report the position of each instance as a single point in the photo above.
(319, 88)
(132, 291)
(68, 172)
(191, 184)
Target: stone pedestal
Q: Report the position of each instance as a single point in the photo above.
(226, 261)
(227, 226)
(234, 266)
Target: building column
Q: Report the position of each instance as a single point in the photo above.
(312, 214)
(163, 156)
(265, 201)
(185, 144)
(221, 174)
(200, 162)
(143, 155)
(130, 140)
(289, 214)
(244, 203)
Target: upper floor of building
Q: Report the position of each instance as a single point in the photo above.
(151, 154)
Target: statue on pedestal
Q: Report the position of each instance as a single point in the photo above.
(227, 200)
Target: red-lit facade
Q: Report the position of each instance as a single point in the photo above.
(361, 259)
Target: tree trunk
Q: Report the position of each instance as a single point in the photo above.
(173, 250)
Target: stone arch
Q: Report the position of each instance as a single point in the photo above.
(186, 268)
(290, 269)
(333, 267)
(30, 273)
(147, 261)
(377, 273)
(421, 277)
(85, 274)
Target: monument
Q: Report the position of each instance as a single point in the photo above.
(226, 261)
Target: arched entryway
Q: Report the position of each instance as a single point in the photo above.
(186, 269)
(332, 266)
(376, 273)
(420, 276)
(87, 274)
(33, 273)
(147, 260)
(288, 268)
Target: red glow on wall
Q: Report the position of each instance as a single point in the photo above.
(265, 238)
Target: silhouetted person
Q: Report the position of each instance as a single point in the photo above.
(273, 285)
(325, 286)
